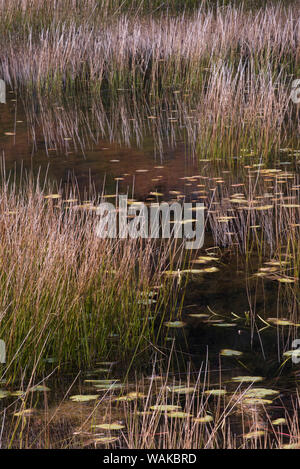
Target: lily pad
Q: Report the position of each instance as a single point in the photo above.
(247, 379)
(109, 426)
(24, 413)
(205, 419)
(280, 421)
(182, 389)
(179, 415)
(216, 392)
(165, 407)
(255, 434)
(199, 315)
(4, 394)
(224, 324)
(101, 381)
(261, 392)
(175, 324)
(40, 388)
(105, 440)
(84, 398)
(131, 397)
(256, 401)
(226, 352)
(280, 322)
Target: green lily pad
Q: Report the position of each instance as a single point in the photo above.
(280, 421)
(255, 434)
(224, 324)
(165, 407)
(40, 388)
(84, 398)
(205, 419)
(178, 415)
(24, 413)
(17, 393)
(105, 440)
(181, 389)
(216, 392)
(280, 322)
(199, 315)
(109, 426)
(110, 386)
(226, 352)
(101, 381)
(247, 379)
(260, 392)
(175, 324)
(256, 401)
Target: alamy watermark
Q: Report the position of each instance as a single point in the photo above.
(295, 94)
(2, 351)
(2, 92)
(296, 352)
(164, 220)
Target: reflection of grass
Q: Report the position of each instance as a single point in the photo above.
(68, 295)
(237, 63)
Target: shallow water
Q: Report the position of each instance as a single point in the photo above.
(234, 303)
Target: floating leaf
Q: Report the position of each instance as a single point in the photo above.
(131, 397)
(109, 426)
(286, 280)
(111, 387)
(165, 407)
(84, 398)
(260, 392)
(255, 434)
(181, 389)
(226, 352)
(292, 446)
(280, 421)
(224, 324)
(104, 440)
(216, 392)
(175, 324)
(247, 379)
(179, 415)
(24, 413)
(280, 322)
(292, 353)
(256, 401)
(206, 419)
(17, 393)
(40, 388)
(198, 315)
(101, 381)
(52, 196)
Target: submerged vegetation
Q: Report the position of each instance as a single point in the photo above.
(121, 343)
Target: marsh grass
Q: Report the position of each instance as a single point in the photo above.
(68, 295)
(237, 64)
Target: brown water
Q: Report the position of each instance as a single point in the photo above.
(230, 297)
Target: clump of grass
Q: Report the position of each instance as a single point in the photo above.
(68, 294)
